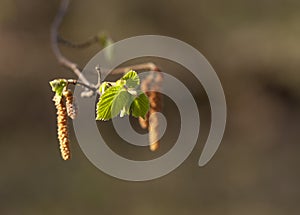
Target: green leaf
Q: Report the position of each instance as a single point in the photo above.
(120, 82)
(104, 86)
(111, 103)
(58, 86)
(140, 106)
(123, 98)
(132, 79)
(126, 109)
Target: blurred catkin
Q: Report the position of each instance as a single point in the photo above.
(71, 106)
(62, 127)
(151, 85)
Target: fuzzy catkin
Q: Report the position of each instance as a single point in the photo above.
(71, 106)
(62, 128)
(155, 104)
(153, 131)
(151, 85)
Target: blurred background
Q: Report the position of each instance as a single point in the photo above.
(254, 46)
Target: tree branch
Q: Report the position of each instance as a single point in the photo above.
(82, 45)
(139, 67)
(54, 43)
(56, 39)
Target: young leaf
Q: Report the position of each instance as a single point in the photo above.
(104, 86)
(112, 102)
(122, 98)
(120, 82)
(106, 42)
(58, 86)
(140, 106)
(132, 79)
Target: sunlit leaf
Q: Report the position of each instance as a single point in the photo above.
(112, 102)
(132, 79)
(58, 86)
(140, 106)
(123, 98)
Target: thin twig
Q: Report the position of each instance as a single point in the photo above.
(82, 45)
(75, 82)
(55, 39)
(139, 67)
(98, 70)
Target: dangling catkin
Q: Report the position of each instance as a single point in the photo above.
(155, 99)
(62, 127)
(71, 105)
(151, 85)
(153, 131)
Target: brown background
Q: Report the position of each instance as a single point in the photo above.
(254, 47)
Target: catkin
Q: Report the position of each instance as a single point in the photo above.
(151, 85)
(62, 127)
(153, 131)
(71, 105)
